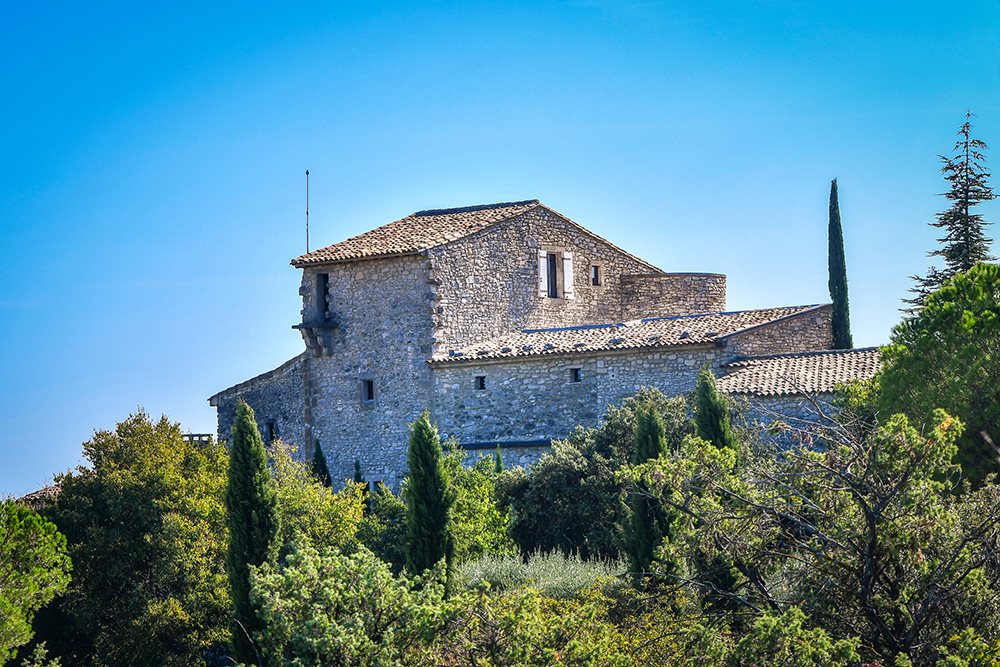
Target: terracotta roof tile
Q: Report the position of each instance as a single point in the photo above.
(661, 332)
(809, 372)
(417, 231)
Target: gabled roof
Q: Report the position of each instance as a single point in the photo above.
(807, 372)
(660, 332)
(416, 232)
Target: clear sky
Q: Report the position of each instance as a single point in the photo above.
(152, 159)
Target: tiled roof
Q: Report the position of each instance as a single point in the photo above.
(417, 231)
(808, 372)
(660, 332)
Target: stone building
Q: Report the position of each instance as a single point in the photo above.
(511, 324)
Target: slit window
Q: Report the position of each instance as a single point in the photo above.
(595, 275)
(480, 382)
(367, 391)
(576, 375)
(268, 432)
(322, 295)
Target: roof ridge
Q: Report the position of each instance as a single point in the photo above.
(477, 207)
(608, 325)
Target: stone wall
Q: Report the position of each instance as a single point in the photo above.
(534, 398)
(486, 284)
(804, 332)
(672, 294)
(277, 398)
(382, 309)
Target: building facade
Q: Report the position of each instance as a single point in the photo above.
(511, 325)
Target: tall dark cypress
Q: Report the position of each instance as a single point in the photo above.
(429, 500)
(711, 415)
(838, 276)
(498, 460)
(318, 468)
(647, 522)
(251, 506)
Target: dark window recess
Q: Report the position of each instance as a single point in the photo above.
(268, 432)
(322, 295)
(595, 275)
(368, 390)
(480, 382)
(553, 275)
(576, 375)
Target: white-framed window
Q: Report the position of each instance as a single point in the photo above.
(555, 274)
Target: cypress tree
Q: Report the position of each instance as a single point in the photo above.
(318, 468)
(965, 244)
(838, 276)
(251, 506)
(429, 499)
(358, 477)
(498, 461)
(711, 412)
(647, 522)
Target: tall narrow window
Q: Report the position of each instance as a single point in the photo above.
(322, 295)
(553, 274)
(367, 391)
(268, 432)
(595, 275)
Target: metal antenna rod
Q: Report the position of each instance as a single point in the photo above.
(307, 210)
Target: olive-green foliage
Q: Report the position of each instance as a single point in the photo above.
(946, 357)
(145, 527)
(308, 508)
(528, 630)
(252, 513)
(34, 568)
(865, 535)
(711, 413)
(479, 524)
(648, 522)
(429, 499)
(39, 657)
(383, 527)
(334, 609)
(318, 467)
(779, 640)
(554, 575)
(329, 608)
(969, 649)
(571, 499)
(837, 265)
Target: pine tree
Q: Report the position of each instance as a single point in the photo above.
(251, 505)
(838, 276)
(711, 415)
(318, 468)
(429, 500)
(965, 244)
(648, 522)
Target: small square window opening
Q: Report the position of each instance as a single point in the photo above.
(368, 391)
(480, 382)
(576, 375)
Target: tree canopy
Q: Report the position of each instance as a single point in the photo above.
(34, 568)
(946, 357)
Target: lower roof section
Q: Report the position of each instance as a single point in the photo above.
(802, 373)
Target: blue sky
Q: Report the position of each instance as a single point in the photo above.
(152, 187)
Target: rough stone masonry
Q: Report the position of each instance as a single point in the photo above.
(511, 324)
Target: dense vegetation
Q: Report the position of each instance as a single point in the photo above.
(672, 534)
